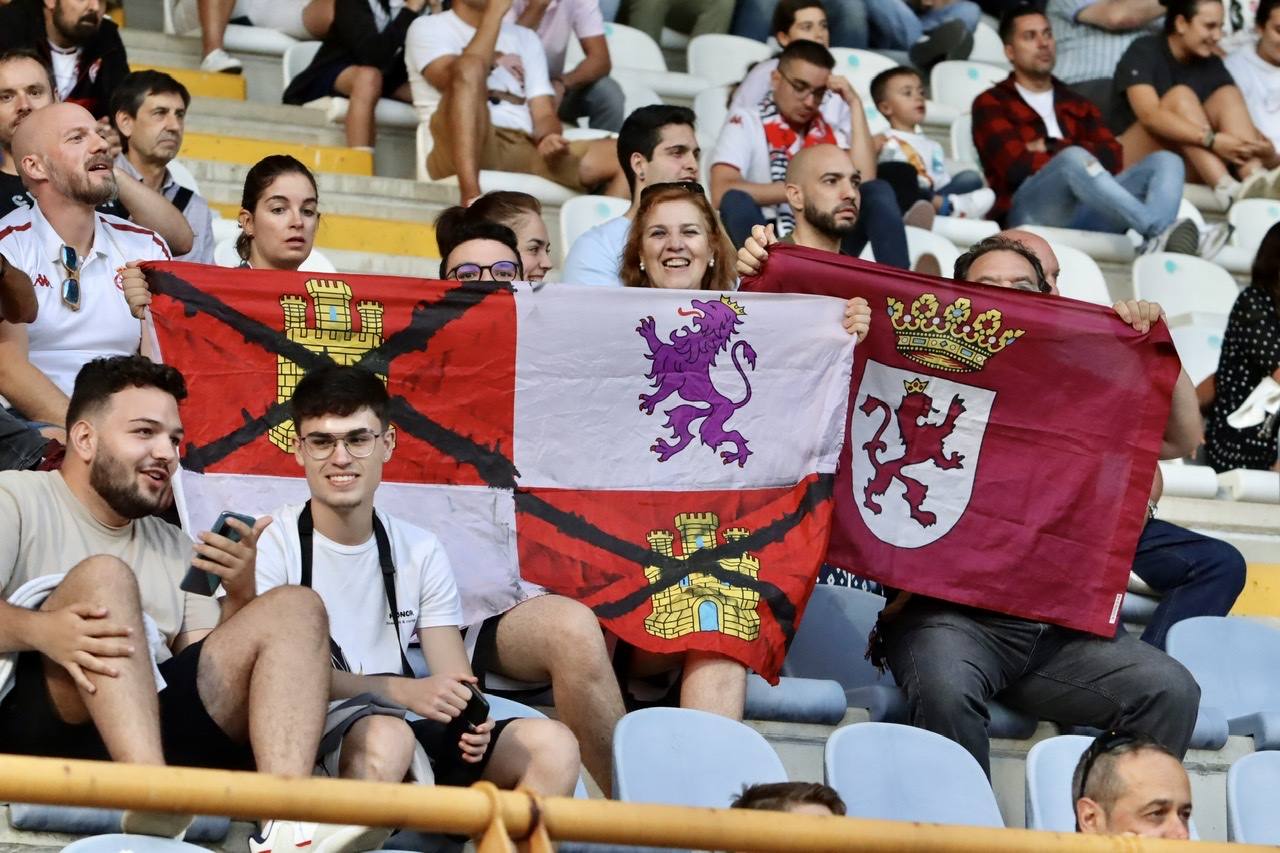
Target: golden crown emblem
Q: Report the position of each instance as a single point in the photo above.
(916, 386)
(737, 309)
(950, 338)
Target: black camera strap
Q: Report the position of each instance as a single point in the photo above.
(306, 530)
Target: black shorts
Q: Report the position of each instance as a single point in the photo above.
(446, 757)
(29, 724)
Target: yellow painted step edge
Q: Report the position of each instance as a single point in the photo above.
(241, 149)
(365, 234)
(202, 84)
(1261, 594)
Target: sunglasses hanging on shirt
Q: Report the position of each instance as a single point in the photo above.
(71, 284)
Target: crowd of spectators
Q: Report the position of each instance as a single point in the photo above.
(1110, 108)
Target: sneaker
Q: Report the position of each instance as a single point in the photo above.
(1257, 185)
(1226, 191)
(289, 836)
(951, 40)
(1213, 238)
(973, 205)
(219, 61)
(158, 824)
(1273, 183)
(1182, 238)
(920, 215)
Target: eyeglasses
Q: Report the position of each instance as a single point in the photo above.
(498, 271)
(71, 284)
(320, 445)
(802, 89)
(691, 187)
(1103, 744)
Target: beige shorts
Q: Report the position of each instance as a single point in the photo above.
(506, 150)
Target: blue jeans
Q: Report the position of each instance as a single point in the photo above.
(879, 223)
(1197, 575)
(1073, 190)
(897, 26)
(602, 102)
(609, 9)
(846, 18)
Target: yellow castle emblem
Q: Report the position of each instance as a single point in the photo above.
(701, 602)
(949, 338)
(331, 335)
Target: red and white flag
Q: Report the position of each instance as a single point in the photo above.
(666, 457)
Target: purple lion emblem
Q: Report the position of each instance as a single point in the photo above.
(683, 365)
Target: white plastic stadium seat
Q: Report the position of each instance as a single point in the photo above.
(1116, 248)
(241, 37)
(1203, 198)
(1184, 284)
(635, 94)
(1198, 340)
(721, 59)
(583, 212)
(962, 147)
(1080, 277)
(638, 57)
(545, 191)
(388, 113)
(957, 82)
(963, 231)
(711, 109)
(182, 176)
(987, 46)
(1252, 218)
(1050, 765)
(297, 58)
(224, 228)
(919, 242)
(673, 39)
(1252, 817)
(1251, 486)
(1188, 481)
(224, 255)
(860, 67)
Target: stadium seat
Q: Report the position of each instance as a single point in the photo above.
(581, 213)
(501, 708)
(957, 82)
(987, 46)
(795, 700)
(636, 56)
(118, 843)
(248, 39)
(1184, 284)
(1234, 660)
(1203, 198)
(547, 192)
(1080, 277)
(388, 113)
(1050, 764)
(842, 618)
(636, 94)
(183, 177)
(81, 820)
(892, 772)
(920, 242)
(962, 147)
(224, 255)
(724, 59)
(1252, 783)
(689, 758)
(1198, 340)
(962, 231)
(1188, 481)
(1102, 247)
(711, 107)
(1253, 486)
(860, 67)
(1252, 219)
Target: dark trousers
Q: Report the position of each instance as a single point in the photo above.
(952, 660)
(1195, 575)
(879, 223)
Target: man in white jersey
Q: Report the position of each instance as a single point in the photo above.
(384, 580)
(72, 254)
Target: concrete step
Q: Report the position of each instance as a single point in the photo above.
(263, 74)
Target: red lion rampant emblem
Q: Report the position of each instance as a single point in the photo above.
(922, 442)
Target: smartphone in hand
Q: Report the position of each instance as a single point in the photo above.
(476, 712)
(201, 582)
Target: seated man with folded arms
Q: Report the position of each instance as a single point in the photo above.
(339, 545)
(90, 579)
(1128, 784)
(496, 103)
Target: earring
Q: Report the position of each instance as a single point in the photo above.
(640, 176)
(712, 265)
(642, 266)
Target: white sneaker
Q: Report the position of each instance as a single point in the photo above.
(290, 836)
(1213, 238)
(1257, 185)
(973, 205)
(219, 61)
(1226, 190)
(1182, 237)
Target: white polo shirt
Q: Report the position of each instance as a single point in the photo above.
(63, 340)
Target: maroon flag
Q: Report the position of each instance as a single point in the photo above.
(1000, 445)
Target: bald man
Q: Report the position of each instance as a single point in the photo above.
(71, 254)
(1127, 784)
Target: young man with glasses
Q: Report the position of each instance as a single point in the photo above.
(1127, 784)
(366, 564)
(755, 147)
(72, 254)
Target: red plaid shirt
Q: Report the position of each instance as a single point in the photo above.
(1003, 124)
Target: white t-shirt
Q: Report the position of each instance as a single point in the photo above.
(1259, 82)
(66, 65)
(562, 20)
(431, 37)
(596, 256)
(742, 144)
(348, 580)
(1042, 103)
(930, 153)
(62, 340)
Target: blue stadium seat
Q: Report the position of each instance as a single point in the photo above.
(831, 642)
(1252, 816)
(893, 772)
(81, 820)
(501, 708)
(1050, 764)
(795, 700)
(689, 758)
(119, 843)
(1234, 660)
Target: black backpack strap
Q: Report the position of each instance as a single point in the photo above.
(182, 198)
(306, 530)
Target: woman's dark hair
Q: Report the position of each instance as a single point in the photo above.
(341, 390)
(784, 14)
(1185, 9)
(1000, 244)
(1265, 8)
(1265, 274)
(719, 276)
(505, 207)
(456, 225)
(263, 173)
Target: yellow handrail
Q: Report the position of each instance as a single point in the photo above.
(473, 811)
